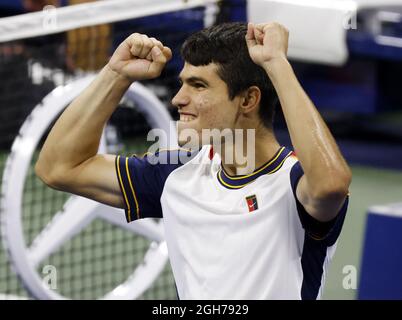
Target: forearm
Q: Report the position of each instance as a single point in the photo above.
(322, 162)
(76, 135)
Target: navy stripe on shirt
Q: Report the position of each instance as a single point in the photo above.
(318, 237)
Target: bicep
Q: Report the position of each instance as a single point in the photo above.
(96, 179)
(322, 209)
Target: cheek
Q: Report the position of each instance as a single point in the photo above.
(204, 103)
(213, 113)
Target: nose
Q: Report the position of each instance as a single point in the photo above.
(181, 99)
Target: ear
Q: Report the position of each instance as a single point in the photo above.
(251, 98)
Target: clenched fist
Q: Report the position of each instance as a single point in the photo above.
(267, 43)
(140, 57)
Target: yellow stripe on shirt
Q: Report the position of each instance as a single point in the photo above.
(241, 186)
(132, 190)
(122, 188)
(259, 170)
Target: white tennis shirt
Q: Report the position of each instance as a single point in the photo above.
(241, 237)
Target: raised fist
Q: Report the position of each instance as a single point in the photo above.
(267, 42)
(139, 57)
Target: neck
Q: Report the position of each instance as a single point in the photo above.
(249, 150)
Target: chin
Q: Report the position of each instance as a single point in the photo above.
(189, 141)
(189, 137)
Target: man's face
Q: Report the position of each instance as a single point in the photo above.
(203, 102)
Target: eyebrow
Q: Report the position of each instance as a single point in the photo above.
(193, 80)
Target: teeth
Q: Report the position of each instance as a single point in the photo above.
(186, 118)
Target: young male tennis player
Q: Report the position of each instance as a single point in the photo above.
(232, 232)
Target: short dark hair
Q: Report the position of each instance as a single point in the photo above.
(225, 45)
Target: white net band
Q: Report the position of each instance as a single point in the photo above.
(54, 20)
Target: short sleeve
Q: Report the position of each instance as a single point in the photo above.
(140, 184)
(317, 230)
(142, 180)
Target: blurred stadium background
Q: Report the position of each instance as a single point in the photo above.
(348, 56)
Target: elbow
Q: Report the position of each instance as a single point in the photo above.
(345, 181)
(48, 174)
(43, 173)
(335, 187)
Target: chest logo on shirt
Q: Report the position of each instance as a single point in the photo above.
(252, 203)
